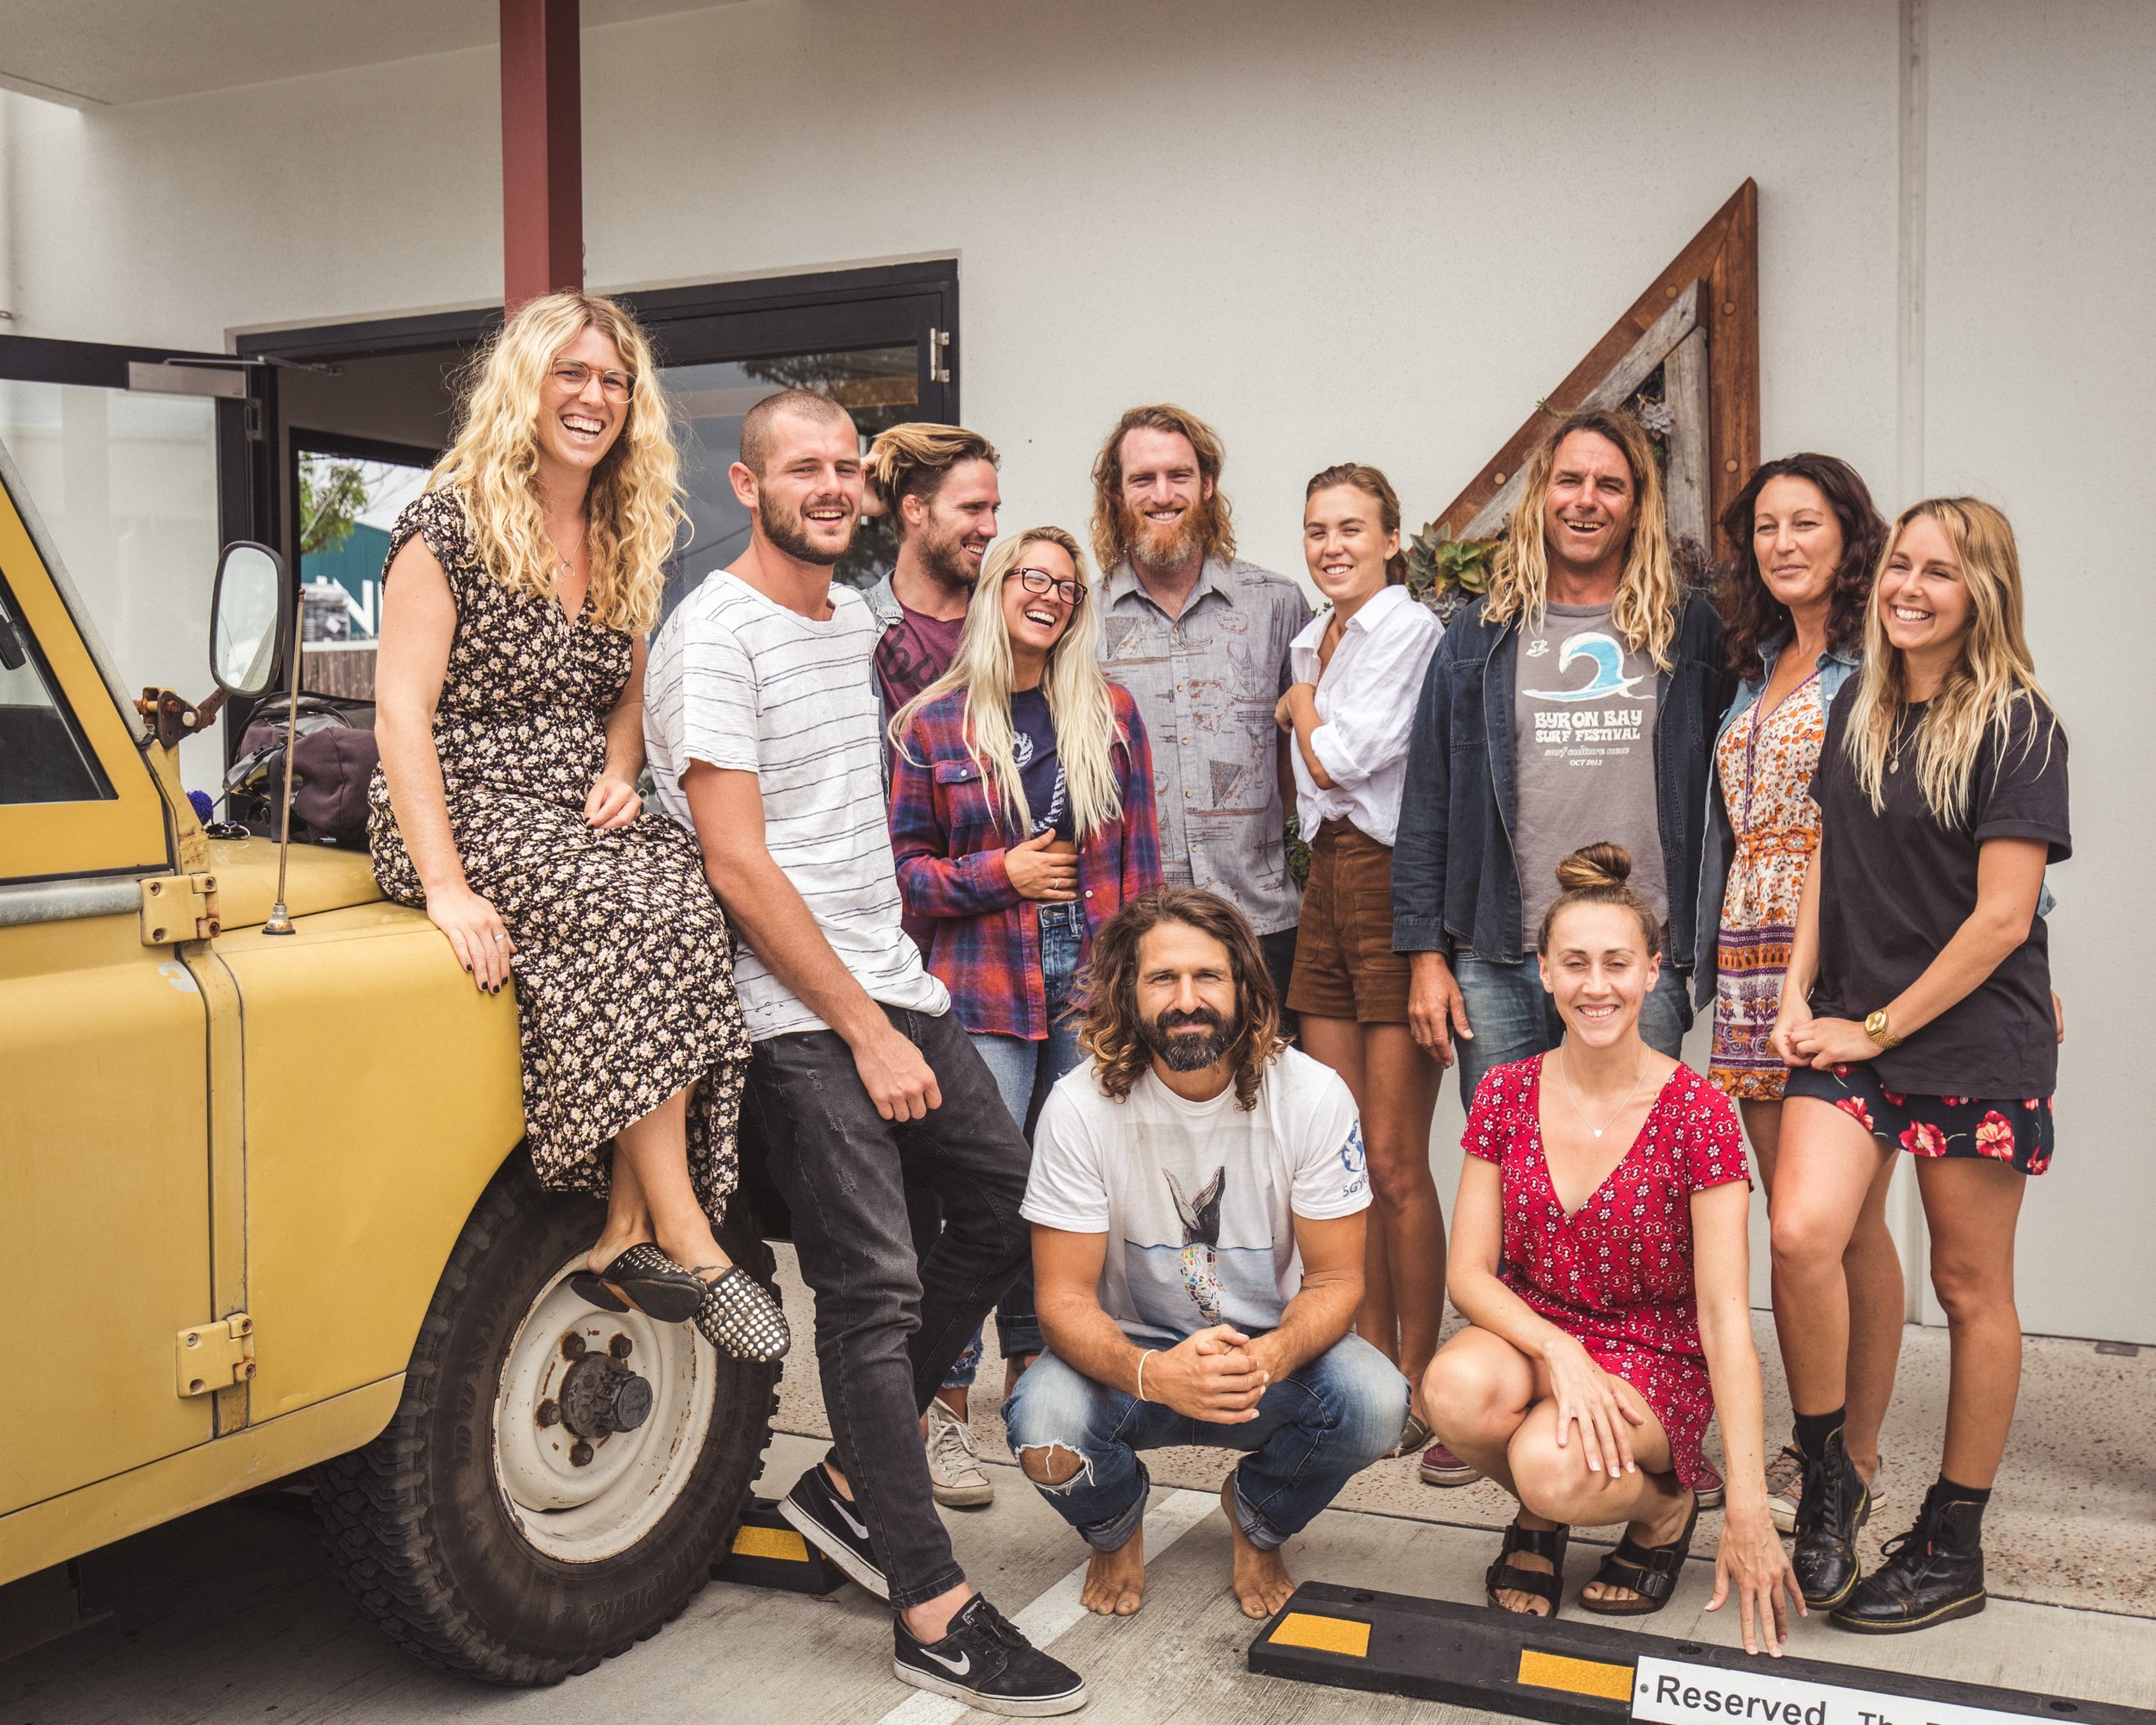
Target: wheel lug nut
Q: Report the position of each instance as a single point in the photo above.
(573, 1347)
(548, 1414)
(581, 1456)
(620, 1348)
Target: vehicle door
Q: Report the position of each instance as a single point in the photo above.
(106, 1172)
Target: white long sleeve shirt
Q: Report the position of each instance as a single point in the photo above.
(1366, 706)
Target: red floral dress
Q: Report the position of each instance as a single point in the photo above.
(1617, 1273)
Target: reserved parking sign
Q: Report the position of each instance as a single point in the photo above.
(1672, 1693)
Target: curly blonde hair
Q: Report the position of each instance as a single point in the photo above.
(634, 502)
(1648, 596)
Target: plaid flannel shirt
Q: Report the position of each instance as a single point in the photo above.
(948, 843)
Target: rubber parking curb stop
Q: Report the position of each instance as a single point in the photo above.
(766, 1551)
(1575, 1673)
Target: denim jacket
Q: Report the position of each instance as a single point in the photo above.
(1835, 668)
(1455, 880)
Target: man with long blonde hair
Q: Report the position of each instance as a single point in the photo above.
(1200, 638)
(1573, 703)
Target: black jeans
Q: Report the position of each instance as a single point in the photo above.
(888, 1325)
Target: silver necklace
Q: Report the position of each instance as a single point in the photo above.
(1564, 1074)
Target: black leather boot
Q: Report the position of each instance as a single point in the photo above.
(1835, 1504)
(1932, 1574)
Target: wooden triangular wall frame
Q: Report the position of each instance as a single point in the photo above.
(1699, 324)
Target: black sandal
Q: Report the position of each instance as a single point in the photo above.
(1506, 1577)
(642, 1279)
(1648, 1572)
(738, 1317)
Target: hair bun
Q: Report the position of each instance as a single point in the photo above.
(1599, 864)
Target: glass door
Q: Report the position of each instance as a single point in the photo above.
(118, 449)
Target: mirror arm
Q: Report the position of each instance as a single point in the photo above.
(281, 921)
(171, 721)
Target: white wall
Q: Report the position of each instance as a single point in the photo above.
(1357, 231)
(2039, 371)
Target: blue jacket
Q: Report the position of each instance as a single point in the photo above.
(1835, 668)
(1456, 881)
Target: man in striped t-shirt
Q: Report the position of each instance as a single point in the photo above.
(763, 730)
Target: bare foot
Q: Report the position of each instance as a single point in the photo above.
(1262, 1581)
(1115, 1581)
(1526, 1605)
(1659, 1529)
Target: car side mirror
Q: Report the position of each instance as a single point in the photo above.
(249, 612)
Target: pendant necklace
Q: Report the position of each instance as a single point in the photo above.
(1565, 1072)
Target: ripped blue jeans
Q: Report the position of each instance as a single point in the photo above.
(1316, 1429)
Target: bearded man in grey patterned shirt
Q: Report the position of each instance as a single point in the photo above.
(1200, 638)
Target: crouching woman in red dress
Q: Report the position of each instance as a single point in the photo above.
(1599, 1255)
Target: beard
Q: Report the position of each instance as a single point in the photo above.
(788, 529)
(1164, 547)
(947, 563)
(1189, 1052)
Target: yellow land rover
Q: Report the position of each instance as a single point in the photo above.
(265, 1209)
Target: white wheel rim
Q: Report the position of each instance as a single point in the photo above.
(582, 1513)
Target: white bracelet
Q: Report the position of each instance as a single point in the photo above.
(1142, 1358)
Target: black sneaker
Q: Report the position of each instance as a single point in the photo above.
(834, 1526)
(986, 1662)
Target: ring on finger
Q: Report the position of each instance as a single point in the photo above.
(499, 937)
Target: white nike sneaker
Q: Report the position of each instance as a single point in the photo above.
(954, 1466)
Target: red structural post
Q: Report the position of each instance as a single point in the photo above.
(543, 150)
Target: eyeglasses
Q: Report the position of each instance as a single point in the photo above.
(1040, 581)
(573, 374)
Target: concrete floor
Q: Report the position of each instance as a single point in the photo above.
(233, 1614)
(2072, 1520)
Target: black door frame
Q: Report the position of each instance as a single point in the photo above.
(763, 317)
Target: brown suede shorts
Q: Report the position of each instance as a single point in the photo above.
(1345, 967)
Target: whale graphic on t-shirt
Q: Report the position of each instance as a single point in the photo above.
(1609, 681)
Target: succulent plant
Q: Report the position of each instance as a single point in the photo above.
(1445, 573)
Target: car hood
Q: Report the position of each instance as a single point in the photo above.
(318, 879)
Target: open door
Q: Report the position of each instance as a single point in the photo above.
(142, 462)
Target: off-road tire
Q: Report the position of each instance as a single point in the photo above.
(416, 1522)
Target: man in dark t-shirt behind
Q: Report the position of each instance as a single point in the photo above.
(939, 482)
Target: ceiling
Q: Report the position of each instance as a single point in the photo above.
(93, 53)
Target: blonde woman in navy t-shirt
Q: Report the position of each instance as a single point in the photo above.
(1917, 1016)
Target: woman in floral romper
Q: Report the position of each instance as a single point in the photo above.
(1599, 1255)
(509, 709)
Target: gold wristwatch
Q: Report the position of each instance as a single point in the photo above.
(1875, 1026)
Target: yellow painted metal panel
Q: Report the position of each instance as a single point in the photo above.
(318, 879)
(1326, 1634)
(104, 1184)
(62, 1527)
(1575, 1677)
(125, 830)
(383, 1091)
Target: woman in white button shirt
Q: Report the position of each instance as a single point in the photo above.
(1358, 668)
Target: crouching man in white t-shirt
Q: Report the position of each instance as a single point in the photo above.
(1197, 1201)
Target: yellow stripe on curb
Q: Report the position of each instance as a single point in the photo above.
(1326, 1634)
(771, 1542)
(1575, 1677)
